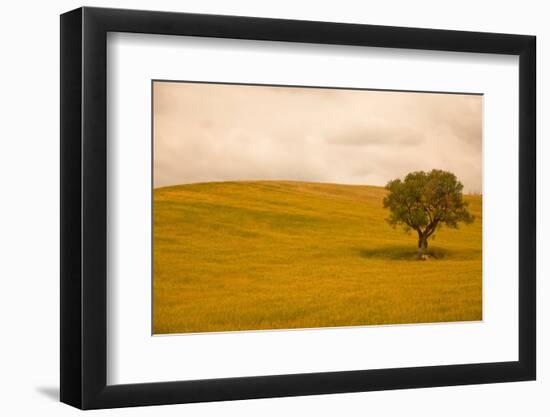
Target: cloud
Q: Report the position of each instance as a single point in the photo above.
(217, 132)
(375, 136)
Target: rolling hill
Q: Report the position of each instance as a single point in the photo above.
(252, 255)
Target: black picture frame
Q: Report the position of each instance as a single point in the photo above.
(84, 207)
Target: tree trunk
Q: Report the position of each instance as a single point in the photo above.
(422, 246)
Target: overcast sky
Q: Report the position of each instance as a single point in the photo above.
(217, 132)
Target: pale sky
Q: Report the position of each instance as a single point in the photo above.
(220, 132)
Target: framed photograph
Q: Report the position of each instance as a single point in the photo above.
(257, 208)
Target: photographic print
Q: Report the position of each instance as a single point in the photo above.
(285, 207)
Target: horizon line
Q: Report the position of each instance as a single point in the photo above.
(285, 180)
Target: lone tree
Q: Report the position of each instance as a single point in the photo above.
(424, 201)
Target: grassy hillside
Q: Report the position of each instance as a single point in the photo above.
(279, 255)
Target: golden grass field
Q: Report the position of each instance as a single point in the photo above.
(282, 254)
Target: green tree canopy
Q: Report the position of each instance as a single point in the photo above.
(425, 201)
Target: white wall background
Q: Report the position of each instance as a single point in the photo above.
(29, 225)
